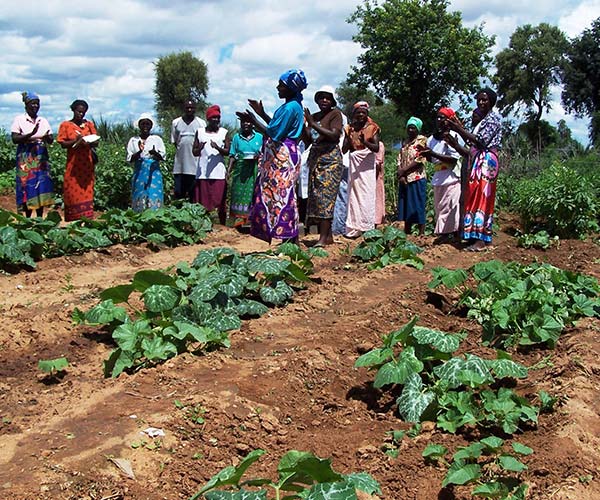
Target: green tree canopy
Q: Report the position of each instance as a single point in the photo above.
(179, 77)
(528, 68)
(581, 78)
(417, 54)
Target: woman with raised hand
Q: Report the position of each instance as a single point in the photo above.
(244, 153)
(146, 151)
(274, 212)
(480, 199)
(31, 133)
(412, 179)
(324, 162)
(78, 137)
(445, 180)
(362, 141)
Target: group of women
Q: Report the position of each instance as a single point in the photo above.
(264, 162)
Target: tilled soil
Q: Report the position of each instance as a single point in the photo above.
(288, 382)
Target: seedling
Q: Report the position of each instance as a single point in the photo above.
(53, 368)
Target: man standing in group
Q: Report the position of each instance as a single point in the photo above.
(183, 131)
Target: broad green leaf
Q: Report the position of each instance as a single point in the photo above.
(434, 451)
(398, 371)
(104, 313)
(449, 278)
(276, 295)
(414, 400)
(342, 490)
(521, 449)
(473, 451)
(507, 368)
(129, 335)
(445, 342)
(402, 335)
(236, 495)
(364, 482)
(265, 264)
(306, 468)
(117, 294)
(197, 333)
(117, 362)
(492, 443)
(157, 348)
(492, 489)
(145, 279)
(462, 474)
(204, 291)
(161, 298)
(510, 463)
(53, 365)
(374, 358)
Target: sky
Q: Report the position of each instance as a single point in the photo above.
(104, 51)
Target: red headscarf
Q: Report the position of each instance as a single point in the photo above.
(447, 112)
(213, 111)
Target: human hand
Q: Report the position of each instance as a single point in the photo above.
(141, 145)
(257, 106)
(34, 130)
(247, 115)
(308, 117)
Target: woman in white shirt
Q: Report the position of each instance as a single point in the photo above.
(211, 144)
(145, 152)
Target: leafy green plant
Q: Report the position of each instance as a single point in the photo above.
(386, 247)
(24, 241)
(541, 240)
(53, 367)
(194, 306)
(520, 305)
(453, 391)
(301, 475)
(486, 464)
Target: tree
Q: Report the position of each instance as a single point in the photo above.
(179, 77)
(581, 79)
(417, 54)
(528, 68)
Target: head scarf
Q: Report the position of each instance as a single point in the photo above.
(326, 89)
(295, 80)
(361, 104)
(491, 95)
(144, 116)
(447, 112)
(79, 102)
(417, 122)
(29, 96)
(213, 111)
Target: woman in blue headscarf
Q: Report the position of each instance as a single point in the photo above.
(412, 179)
(274, 212)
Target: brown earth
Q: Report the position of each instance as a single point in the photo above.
(288, 382)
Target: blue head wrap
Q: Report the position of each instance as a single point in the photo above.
(295, 80)
(29, 96)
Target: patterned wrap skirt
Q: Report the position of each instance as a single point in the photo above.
(325, 174)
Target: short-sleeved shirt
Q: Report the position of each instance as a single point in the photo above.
(368, 131)
(444, 174)
(287, 121)
(182, 135)
(489, 130)
(246, 148)
(24, 124)
(411, 152)
(211, 164)
(152, 141)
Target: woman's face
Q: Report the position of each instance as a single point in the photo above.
(246, 126)
(360, 115)
(145, 126)
(325, 102)
(79, 112)
(283, 91)
(32, 107)
(412, 132)
(483, 103)
(441, 122)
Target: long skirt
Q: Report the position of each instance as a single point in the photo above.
(480, 198)
(274, 212)
(446, 202)
(325, 174)
(340, 212)
(380, 196)
(412, 198)
(146, 185)
(361, 191)
(34, 188)
(243, 178)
